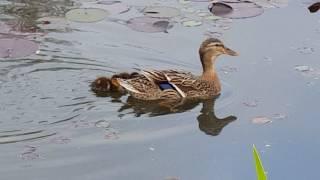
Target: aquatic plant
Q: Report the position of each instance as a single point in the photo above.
(261, 174)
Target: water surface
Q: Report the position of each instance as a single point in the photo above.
(54, 127)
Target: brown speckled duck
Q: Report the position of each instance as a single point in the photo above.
(173, 84)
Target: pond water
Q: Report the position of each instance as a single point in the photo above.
(53, 126)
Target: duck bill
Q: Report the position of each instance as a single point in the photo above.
(230, 52)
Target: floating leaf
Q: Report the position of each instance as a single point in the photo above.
(261, 120)
(149, 24)
(15, 48)
(302, 68)
(261, 174)
(161, 12)
(191, 23)
(236, 9)
(86, 15)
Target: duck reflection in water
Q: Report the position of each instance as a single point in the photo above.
(209, 123)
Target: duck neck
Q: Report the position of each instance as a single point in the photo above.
(209, 71)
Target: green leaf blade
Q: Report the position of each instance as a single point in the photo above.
(261, 174)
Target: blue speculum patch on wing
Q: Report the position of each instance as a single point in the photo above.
(165, 85)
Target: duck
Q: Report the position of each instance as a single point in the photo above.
(174, 84)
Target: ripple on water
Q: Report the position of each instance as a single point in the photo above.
(23, 135)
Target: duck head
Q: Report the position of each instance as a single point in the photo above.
(209, 50)
(212, 48)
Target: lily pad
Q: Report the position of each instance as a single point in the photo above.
(191, 23)
(161, 11)
(86, 15)
(236, 9)
(149, 24)
(16, 48)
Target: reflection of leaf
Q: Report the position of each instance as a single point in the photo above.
(261, 174)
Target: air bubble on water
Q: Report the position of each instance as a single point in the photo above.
(102, 124)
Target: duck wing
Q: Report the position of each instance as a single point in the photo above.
(182, 80)
(161, 84)
(140, 84)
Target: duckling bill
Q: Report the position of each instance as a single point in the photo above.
(172, 84)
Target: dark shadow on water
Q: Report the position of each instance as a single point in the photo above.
(209, 123)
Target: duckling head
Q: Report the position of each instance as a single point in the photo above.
(101, 84)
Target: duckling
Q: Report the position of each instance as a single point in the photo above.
(174, 84)
(105, 84)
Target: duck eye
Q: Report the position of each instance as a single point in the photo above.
(219, 45)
